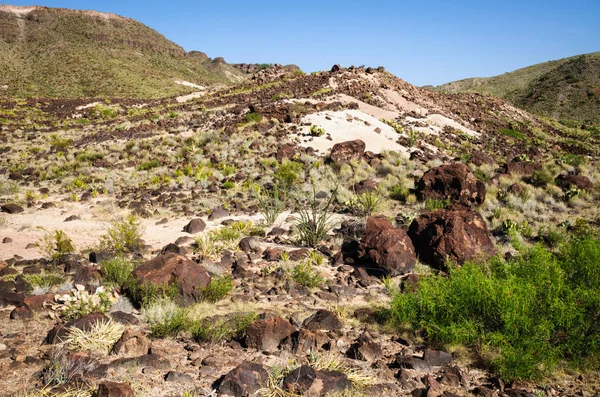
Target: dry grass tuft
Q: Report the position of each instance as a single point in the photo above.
(99, 339)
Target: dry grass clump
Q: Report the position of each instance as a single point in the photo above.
(99, 339)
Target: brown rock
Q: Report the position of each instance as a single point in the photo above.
(365, 186)
(114, 389)
(267, 334)
(322, 320)
(307, 381)
(132, 343)
(285, 152)
(390, 248)
(365, 348)
(11, 208)
(455, 182)
(456, 235)
(345, 152)
(195, 226)
(244, 380)
(174, 268)
(520, 167)
(574, 181)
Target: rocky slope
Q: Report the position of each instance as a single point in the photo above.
(565, 89)
(50, 52)
(221, 292)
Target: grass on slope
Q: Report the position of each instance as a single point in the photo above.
(524, 316)
(65, 53)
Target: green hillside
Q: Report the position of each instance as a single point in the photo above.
(65, 53)
(567, 89)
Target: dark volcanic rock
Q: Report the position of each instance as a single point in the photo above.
(244, 380)
(345, 152)
(457, 235)
(171, 268)
(574, 181)
(267, 334)
(114, 389)
(195, 226)
(307, 381)
(322, 320)
(455, 182)
(390, 248)
(11, 208)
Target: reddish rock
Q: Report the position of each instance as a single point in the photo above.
(267, 334)
(390, 248)
(171, 268)
(285, 152)
(345, 152)
(36, 302)
(307, 381)
(195, 226)
(114, 389)
(322, 320)
(366, 349)
(520, 167)
(457, 235)
(244, 380)
(365, 186)
(455, 182)
(132, 343)
(574, 181)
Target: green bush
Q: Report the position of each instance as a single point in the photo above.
(528, 314)
(270, 204)
(218, 288)
(314, 220)
(165, 318)
(148, 165)
(366, 204)
(305, 275)
(316, 131)
(287, 173)
(122, 237)
(399, 193)
(56, 245)
(145, 294)
(117, 271)
(253, 117)
(222, 328)
(435, 204)
(44, 280)
(512, 133)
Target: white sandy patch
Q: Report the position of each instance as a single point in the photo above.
(32, 224)
(89, 105)
(348, 125)
(189, 84)
(17, 9)
(396, 98)
(439, 121)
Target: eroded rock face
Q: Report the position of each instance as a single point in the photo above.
(456, 235)
(171, 268)
(345, 152)
(244, 380)
(390, 248)
(455, 182)
(267, 334)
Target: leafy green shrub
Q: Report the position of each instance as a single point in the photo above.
(222, 328)
(413, 137)
(144, 294)
(44, 280)
(253, 117)
(122, 237)
(530, 313)
(56, 245)
(435, 204)
(399, 193)
(316, 131)
(305, 275)
(287, 173)
(218, 288)
(117, 271)
(59, 144)
(541, 178)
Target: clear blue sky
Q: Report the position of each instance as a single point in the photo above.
(423, 42)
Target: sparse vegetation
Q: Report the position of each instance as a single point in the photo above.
(218, 288)
(117, 271)
(56, 245)
(122, 237)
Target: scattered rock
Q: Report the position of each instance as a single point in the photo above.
(390, 248)
(345, 152)
(322, 320)
(11, 208)
(174, 268)
(195, 226)
(267, 334)
(179, 377)
(244, 380)
(457, 235)
(114, 389)
(574, 181)
(453, 181)
(84, 323)
(132, 343)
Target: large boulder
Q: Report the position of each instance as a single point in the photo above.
(345, 152)
(195, 226)
(307, 381)
(456, 235)
(267, 334)
(453, 181)
(172, 268)
(244, 380)
(388, 247)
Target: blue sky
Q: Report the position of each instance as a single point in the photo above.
(423, 42)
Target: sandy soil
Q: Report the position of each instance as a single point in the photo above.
(349, 125)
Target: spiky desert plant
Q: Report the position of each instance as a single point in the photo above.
(99, 338)
(314, 221)
(269, 203)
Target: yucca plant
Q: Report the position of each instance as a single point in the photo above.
(314, 222)
(270, 204)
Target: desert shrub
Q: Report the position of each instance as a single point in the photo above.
(270, 203)
(144, 294)
(78, 302)
(528, 314)
(165, 317)
(305, 275)
(399, 192)
(316, 131)
(99, 338)
(44, 280)
(253, 117)
(222, 328)
(148, 165)
(64, 367)
(117, 271)
(218, 288)
(56, 245)
(288, 173)
(512, 133)
(541, 177)
(435, 204)
(122, 237)
(366, 204)
(59, 144)
(314, 221)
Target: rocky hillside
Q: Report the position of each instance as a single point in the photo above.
(49, 52)
(566, 89)
(340, 233)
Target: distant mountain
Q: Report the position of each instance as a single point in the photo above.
(567, 89)
(50, 52)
